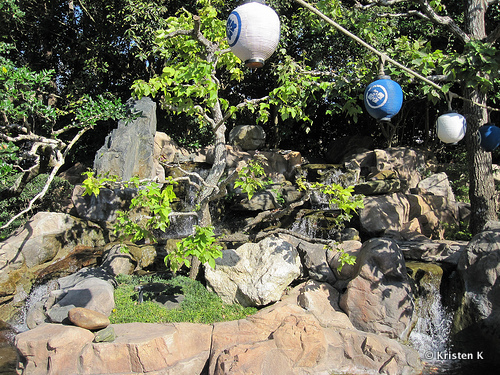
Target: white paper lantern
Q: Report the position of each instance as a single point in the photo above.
(253, 32)
(451, 127)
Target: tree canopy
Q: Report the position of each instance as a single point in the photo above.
(308, 93)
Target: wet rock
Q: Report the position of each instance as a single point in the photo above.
(88, 319)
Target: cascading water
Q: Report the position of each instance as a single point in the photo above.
(432, 330)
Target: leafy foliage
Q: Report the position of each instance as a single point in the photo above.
(202, 245)
(251, 178)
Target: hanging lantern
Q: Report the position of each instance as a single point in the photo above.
(253, 32)
(383, 98)
(489, 137)
(451, 127)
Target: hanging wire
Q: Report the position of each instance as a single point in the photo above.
(384, 56)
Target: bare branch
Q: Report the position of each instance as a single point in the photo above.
(446, 21)
(494, 35)
(60, 157)
(243, 104)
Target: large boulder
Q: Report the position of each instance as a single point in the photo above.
(313, 337)
(438, 184)
(171, 349)
(255, 274)
(477, 321)
(384, 212)
(248, 137)
(128, 151)
(379, 299)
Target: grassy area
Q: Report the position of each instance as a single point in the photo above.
(199, 305)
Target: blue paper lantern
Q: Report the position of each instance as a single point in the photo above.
(253, 32)
(489, 137)
(383, 98)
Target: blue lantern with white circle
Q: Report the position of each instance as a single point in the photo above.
(253, 32)
(489, 137)
(383, 98)
(451, 127)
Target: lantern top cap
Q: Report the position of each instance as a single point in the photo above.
(383, 76)
(254, 1)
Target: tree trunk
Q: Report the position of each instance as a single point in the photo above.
(482, 187)
(216, 172)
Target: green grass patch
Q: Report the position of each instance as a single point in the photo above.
(199, 305)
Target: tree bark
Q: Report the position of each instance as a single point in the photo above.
(482, 186)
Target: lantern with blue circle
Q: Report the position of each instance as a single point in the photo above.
(489, 137)
(253, 32)
(383, 98)
(451, 127)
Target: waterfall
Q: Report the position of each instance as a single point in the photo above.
(432, 330)
(37, 295)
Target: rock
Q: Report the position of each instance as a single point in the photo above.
(314, 260)
(104, 207)
(128, 150)
(174, 349)
(51, 349)
(379, 298)
(286, 339)
(322, 300)
(167, 151)
(385, 212)
(248, 137)
(59, 314)
(43, 237)
(427, 250)
(255, 274)
(105, 335)
(405, 162)
(477, 321)
(88, 319)
(438, 184)
(118, 261)
(88, 288)
(348, 271)
(380, 187)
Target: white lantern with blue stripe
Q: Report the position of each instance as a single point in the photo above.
(451, 127)
(489, 137)
(383, 98)
(253, 32)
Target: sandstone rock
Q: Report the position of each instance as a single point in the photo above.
(128, 150)
(385, 212)
(322, 300)
(51, 349)
(43, 237)
(276, 340)
(477, 321)
(248, 137)
(118, 261)
(379, 299)
(174, 349)
(255, 274)
(380, 187)
(166, 149)
(348, 271)
(438, 184)
(88, 319)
